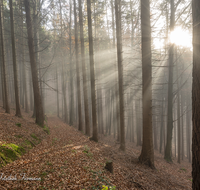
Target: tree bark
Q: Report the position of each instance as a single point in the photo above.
(92, 74)
(195, 96)
(120, 73)
(168, 148)
(37, 96)
(71, 71)
(3, 57)
(18, 109)
(85, 90)
(77, 71)
(147, 154)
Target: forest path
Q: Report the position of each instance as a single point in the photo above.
(67, 159)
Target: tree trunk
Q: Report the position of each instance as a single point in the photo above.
(85, 90)
(3, 58)
(23, 61)
(71, 71)
(147, 154)
(92, 74)
(195, 96)
(18, 109)
(161, 127)
(77, 71)
(120, 73)
(37, 96)
(168, 148)
(178, 118)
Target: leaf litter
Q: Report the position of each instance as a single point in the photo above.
(67, 159)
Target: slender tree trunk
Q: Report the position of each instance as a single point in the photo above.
(3, 59)
(23, 61)
(178, 118)
(168, 148)
(37, 44)
(120, 73)
(37, 96)
(18, 109)
(85, 90)
(77, 71)
(92, 74)
(71, 71)
(161, 127)
(147, 154)
(182, 131)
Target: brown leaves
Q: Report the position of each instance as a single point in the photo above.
(66, 159)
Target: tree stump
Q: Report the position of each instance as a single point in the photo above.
(109, 166)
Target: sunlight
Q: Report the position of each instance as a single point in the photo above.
(181, 38)
(158, 43)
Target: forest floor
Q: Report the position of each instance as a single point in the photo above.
(67, 159)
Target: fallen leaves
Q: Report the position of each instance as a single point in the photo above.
(66, 159)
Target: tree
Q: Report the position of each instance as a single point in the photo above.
(18, 109)
(195, 96)
(3, 59)
(120, 72)
(22, 58)
(168, 148)
(85, 91)
(34, 71)
(92, 74)
(77, 71)
(147, 154)
(71, 113)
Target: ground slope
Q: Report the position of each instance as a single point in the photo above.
(66, 159)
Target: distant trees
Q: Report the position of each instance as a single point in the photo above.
(195, 96)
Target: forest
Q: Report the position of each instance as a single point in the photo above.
(99, 94)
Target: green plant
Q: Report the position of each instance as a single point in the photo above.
(27, 144)
(18, 136)
(46, 129)
(183, 169)
(100, 179)
(86, 149)
(73, 150)
(18, 124)
(49, 164)
(43, 175)
(109, 187)
(54, 140)
(34, 136)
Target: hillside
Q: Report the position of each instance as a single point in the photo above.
(67, 159)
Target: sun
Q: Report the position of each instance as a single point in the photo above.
(181, 38)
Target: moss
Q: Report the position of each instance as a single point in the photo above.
(36, 139)
(18, 136)
(9, 153)
(46, 129)
(27, 144)
(34, 136)
(18, 124)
